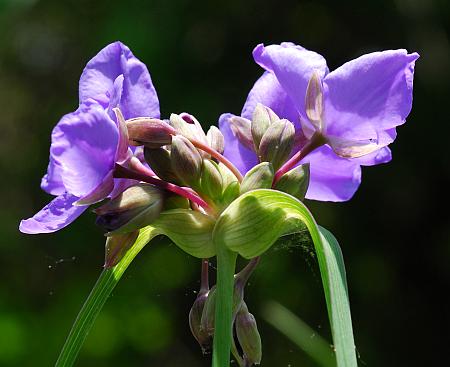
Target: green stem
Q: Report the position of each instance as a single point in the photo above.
(94, 303)
(223, 332)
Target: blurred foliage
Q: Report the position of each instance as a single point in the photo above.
(394, 233)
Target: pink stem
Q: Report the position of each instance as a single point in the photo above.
(142, 173)
(214, 153)
(204, 282)
(316, 141)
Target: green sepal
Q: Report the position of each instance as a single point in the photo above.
(231, 192)
(189, 230)
(211, 182)
(295, 182)
(259, 177)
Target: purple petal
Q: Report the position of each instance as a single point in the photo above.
(332, 178)
(84, 145)
(100, 192)
(293, 66)
(370, 95)
(380, 156)
(52, 181)
(269, 92)
(138, 97)
(241, 157)
(59, 213)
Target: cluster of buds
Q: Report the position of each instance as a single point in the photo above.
(246, 343)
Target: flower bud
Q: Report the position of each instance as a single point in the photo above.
(209, 313)
(241, 128)
(314, 101)
(277, 142)
(295, 182)
(259, 177)
(186, 161)
(160, 163)
(248, 336)
(188, 126)
(152, 133)
(230, 193)
(134, 208)
(195, 317)
(215, 139)
(262, 117)
(117, 246)
(211, 180)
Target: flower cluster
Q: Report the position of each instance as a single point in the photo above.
(303, 131)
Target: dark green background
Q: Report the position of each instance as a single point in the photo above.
(394, 232)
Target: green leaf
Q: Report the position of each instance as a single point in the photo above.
(254, 221)
(102, 289)
(188, 229)
(300, 333)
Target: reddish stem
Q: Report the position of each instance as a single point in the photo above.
(214, 153)
(316, 141)
(204, 281)
(141, 173)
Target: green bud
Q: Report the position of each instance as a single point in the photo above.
(241, 128)
(211, 180)
(134, 208)
(186, 161)
(209, 313)
(152, 133)
(248, 336)
(295, 182)
(259, 177)
(231, 192)
(277, 142)
(160, 163)
(195, 317)
(215, 139)
(262, 117)
(117, 246)
(314, 101)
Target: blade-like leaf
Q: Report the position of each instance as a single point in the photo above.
(97, 298)
(254, 221)
(300, 333)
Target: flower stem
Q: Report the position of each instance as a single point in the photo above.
(97, 298)
(215, 154)
(144, 174)
(223, 332)
(315, 142)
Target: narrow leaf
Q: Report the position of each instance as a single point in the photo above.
(254, 221)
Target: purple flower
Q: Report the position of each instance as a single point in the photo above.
(87, 143)
(355, 107)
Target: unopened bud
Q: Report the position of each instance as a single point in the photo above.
(262, 117)
(248, 336)
(160, 163)
(295, 182)
(230, 193)
(195, 317)
(209, 313)
(241, 128)
(186, 161)
(314, 101)
(152, 133)
(211, 180)
(188, 126)
(259, 177)
(215, 139)
(134, 208)
(277, 142)
(117, 246)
